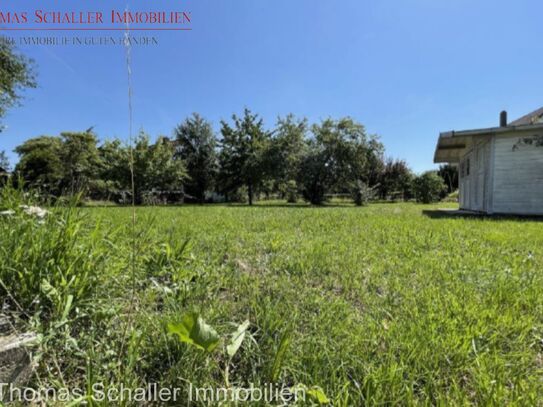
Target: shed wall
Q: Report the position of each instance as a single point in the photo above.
(518, 176)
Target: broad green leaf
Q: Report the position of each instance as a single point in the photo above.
(318, 395)
(193, 330)
(237, 339)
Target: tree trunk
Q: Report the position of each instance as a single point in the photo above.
(250, 193)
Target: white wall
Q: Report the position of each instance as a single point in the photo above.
(474, 184)
(518, 176)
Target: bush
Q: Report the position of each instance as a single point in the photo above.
(428, 187)
(362, 193)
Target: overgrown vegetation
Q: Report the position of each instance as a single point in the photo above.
(377, 305)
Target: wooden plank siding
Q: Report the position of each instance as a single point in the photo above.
(518, 176)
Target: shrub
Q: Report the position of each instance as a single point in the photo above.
(428, 187)
(362, 193)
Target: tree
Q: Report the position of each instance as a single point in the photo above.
(155, 167)
(243, 156)
(449, 173)
(80, 159)
(341, 156)
(40, 164)
(395, 180)
(314, 176)
(16, 73)
(4, 161)
(428, 187)
(287, 149)
(352, 154)
(166, 172)
(197, 147)
(114, 172)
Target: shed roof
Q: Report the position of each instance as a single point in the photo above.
(531, 118)
(451, 145)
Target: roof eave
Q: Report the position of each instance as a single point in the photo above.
(477, 132)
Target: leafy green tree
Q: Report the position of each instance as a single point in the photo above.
(80, 159)
(341, 155)
(16, 73)
(449, 173)
(428, 187)
(166, 171)
(197, 147)
(40, 164)
(314, 176)
(286, 153)
(243, 160)
(4, 161)
(395, 180)
(114, 173)
(155, 167)
(351, 153)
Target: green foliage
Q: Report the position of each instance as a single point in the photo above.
(348, 150)
(280, 355)
(196, 146)
(73, 164)
(366, 306)
(291, 191)
(248, 160)
(340, 155)
(80, 161)
(47, 261)
(40, 164)
(428, 187)
(4, 161)
(395, 180)
(193, 330)
(449, 173)
(362, 193)
(314, 177)
(317, 394)
(16, 73)
(236, 339)
(243, 159)
(286, 152)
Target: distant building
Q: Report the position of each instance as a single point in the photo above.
(500, 168)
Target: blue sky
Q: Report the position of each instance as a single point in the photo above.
(406, 69)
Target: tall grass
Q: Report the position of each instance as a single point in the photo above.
(377, 306)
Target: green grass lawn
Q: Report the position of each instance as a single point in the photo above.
(384, 304)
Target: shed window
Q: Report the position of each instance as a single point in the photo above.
(467, 167)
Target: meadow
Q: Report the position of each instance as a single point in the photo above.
(381, 305)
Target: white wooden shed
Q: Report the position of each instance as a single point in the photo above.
(500, 168)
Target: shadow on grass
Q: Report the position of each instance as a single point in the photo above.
(460, 214)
